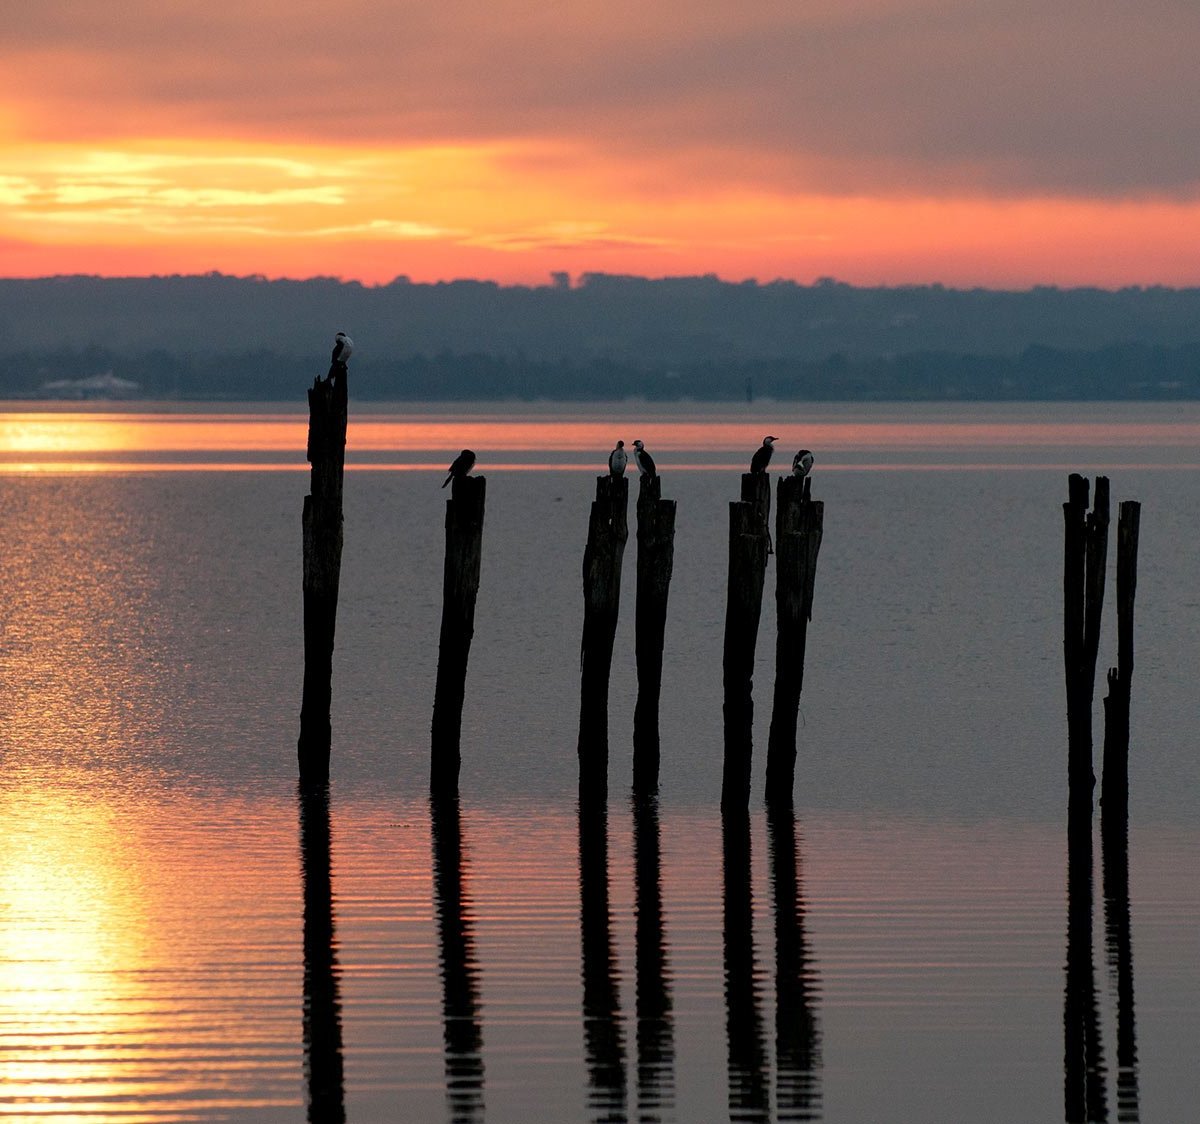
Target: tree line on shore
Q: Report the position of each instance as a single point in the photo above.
(1123, 371)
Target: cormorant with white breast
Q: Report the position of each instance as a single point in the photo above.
(762, 455)
(802, 463)
(644, 461)
(617, 460)
(343, 345)
(460, 466)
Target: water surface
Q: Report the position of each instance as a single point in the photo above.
(181, 938)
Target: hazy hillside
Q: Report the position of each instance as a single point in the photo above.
(219, 336)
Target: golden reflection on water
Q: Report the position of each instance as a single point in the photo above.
(83, 442)
(74, 945)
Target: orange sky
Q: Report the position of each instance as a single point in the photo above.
(871, 140)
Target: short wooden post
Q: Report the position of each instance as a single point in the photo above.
(798, 529)
(747, 569)
(608, 530)
(464, 541)
(1115, 784)
(322, 567)
(655, 560)
(1085, 557)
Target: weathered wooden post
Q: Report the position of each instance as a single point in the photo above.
(608, 530)
(799, 525)
(756, 489)
(655, 560)
(1085, 556)
(748, 548)
(460, 584)
(1115, 784)
(322, 566)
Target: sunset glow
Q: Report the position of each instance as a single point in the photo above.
(883, 141)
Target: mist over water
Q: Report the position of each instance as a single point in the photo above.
(179, 939)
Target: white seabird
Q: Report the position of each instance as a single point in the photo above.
(802, 463)
(617, 460)
(343, 346)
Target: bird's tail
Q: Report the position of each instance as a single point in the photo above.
(448, 479)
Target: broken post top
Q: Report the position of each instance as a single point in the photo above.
(649, 488)
(326, 450)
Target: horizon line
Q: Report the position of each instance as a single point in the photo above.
(580, 281)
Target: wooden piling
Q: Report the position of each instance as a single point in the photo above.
(464, 540)
(747, 569)
(1115, 784)
(799, 525)
(655, 560)
(322, 567)
(1085, 556)
(756, 489)
(608, 530)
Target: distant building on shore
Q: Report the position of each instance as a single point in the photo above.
(103, 386)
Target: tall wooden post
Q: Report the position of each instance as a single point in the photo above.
(322, 567)
(608, 530)
(748, 547)
(1115, 784)
(798, 529)
(1085, 556)
(464, 542)
(655, 560)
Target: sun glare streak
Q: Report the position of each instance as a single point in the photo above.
(73, 943)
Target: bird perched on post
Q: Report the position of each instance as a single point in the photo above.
(617, 460)
(644, 461)
(460, 466)
(802, 463)
(343, 345)
(762, 455)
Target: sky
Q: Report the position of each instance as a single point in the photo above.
(970, 142)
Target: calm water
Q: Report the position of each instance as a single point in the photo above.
(180, 939)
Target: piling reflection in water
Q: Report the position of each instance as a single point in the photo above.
(797, 1035)
(1084, 1094)
(655, 1019)
(322, 1005)
(462, 1027)
(749, 1096)
(603, 1041)
(1119, 945)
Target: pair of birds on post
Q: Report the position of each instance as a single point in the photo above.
(618, 459)
(802, 462)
